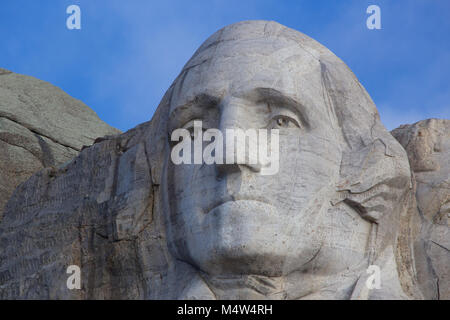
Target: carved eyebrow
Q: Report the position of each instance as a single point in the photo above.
(194, 108)
(278, 98)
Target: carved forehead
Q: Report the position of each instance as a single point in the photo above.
(244, 65)
(232, 61)
(258, 41)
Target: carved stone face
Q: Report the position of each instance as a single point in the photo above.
(428, 145)
(433, 185)
(230, 219)
(433, 199)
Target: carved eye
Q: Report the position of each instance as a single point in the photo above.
(282, 121)
(190, 126)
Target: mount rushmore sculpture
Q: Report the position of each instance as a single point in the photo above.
(140, 226)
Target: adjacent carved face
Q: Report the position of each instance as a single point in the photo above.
(433, 185)
(230, 219)
(428, 147)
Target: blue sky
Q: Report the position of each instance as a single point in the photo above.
(128, 52)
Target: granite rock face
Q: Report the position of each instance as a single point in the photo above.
(140, 226)
(428, 146)
(40, 126)
(91, 213)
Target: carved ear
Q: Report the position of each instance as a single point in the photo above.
(372, 180)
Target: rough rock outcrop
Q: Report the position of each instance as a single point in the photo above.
(93, 213)
(427, 143)
(40, 126)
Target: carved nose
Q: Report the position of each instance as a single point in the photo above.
(223, 170)
(234, 117)
(234, 162)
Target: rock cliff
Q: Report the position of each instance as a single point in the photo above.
(40, 126)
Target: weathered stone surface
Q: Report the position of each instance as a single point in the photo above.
(428, 146)
(141, 227)
(40, 126)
